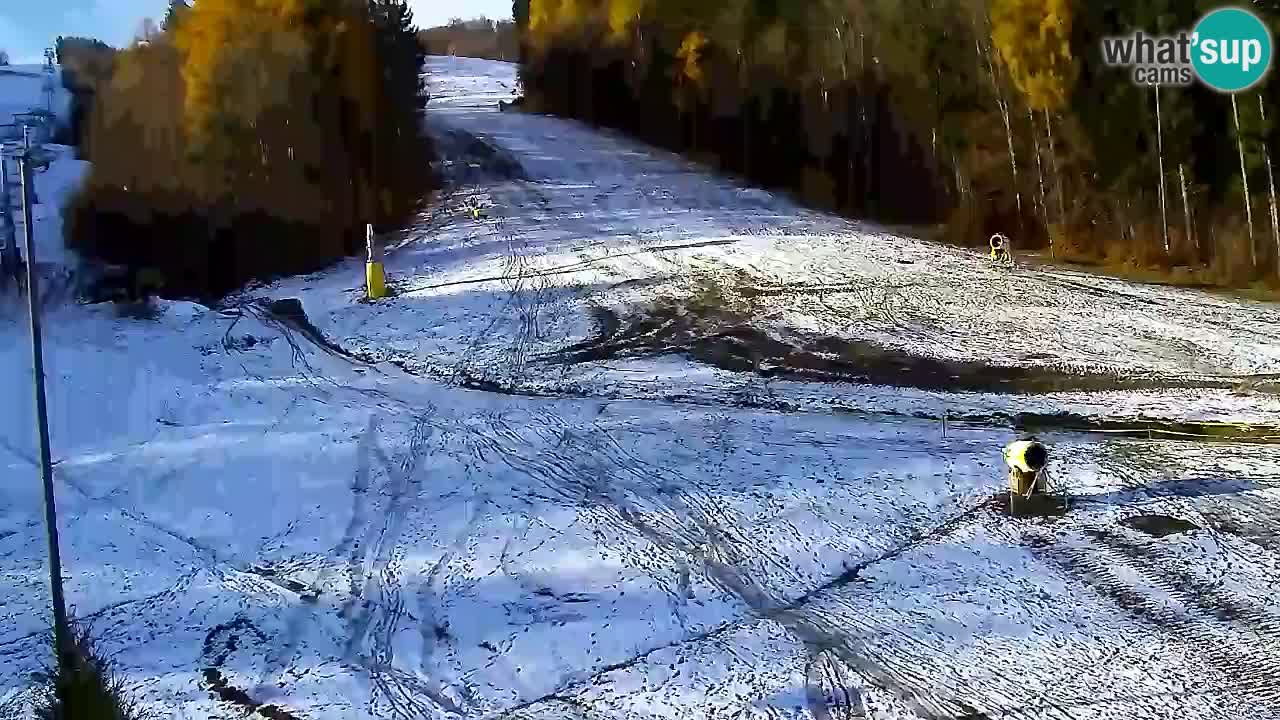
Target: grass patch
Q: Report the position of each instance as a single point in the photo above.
(84, 686)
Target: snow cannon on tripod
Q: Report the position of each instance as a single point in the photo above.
(1028, 460)
(1001, 252)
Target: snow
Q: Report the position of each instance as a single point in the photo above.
(647, 537)
(22, 90)
(55, 186)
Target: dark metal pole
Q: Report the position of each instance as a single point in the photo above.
(61, 633)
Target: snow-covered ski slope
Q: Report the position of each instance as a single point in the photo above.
(606, 454)
(22, 89)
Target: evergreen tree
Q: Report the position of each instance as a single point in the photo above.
(401, 152)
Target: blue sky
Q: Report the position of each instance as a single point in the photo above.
(28, 26)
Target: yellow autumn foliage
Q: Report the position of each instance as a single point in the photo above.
(238, 58)
(549, 18)
(1033, 38)
(298, 77)
(243, 57)
(541, 15)
(690, 55)
(622, 14)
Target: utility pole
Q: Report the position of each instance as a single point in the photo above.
(61, 631)
(49, 86)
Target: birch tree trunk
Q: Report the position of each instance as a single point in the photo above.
(851, 168)
(872, 203)
(1186, 212)
(748, 111)
(1271, 188)
(1057, 174)
(1244, 177)
(1044, 206)
(1164, 212)
(1004, 115)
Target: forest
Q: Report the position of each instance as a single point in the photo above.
(964, 117)
(240, 140)
(478, 38)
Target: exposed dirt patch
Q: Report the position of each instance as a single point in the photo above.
(1159, 525)
(1130, 427)
(468, 158)
(218, 685)
(224, 691)
(711, 330)
(288, 317)
(224, 639)
(1040, 505)
(219, 643)
(289, 311)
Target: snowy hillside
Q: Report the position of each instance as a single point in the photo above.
(54, 187)
(22, 89)
(635, 442)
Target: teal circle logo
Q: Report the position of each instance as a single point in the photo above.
(1231, 49)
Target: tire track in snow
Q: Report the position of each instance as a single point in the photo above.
(374, 572)
(571, 478)
(666, 526)
(453, 694)
(830, 691)
(231, 575)
(513, 276)
(1237, 637)
(283, 653)
(530, 296)
(1243, 647)
(17, 646)
(376, 608)
(584, 479)
(404, 691)
(590, 465)
(903, 676)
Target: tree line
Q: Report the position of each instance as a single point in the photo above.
(477, 38)
(245, 139)
(977, 116)
(86, 65)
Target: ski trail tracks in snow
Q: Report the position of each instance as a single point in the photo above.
(485, 528)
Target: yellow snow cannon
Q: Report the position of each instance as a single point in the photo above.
(1027, 459)
(1000, 249)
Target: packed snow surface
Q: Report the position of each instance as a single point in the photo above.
(539, 481)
